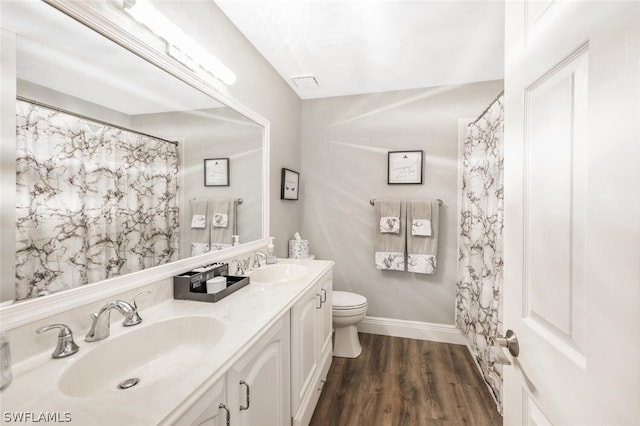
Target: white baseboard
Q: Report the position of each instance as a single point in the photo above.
(442, 333)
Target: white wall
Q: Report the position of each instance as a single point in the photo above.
(345, 141)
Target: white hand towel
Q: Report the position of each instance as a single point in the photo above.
(421, 227)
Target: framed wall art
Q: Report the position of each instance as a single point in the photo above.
(216, 172)
(404, 167)
(290, 185)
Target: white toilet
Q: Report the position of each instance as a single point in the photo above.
(348, 310)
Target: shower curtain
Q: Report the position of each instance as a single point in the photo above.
(480, 264)
(93, 201)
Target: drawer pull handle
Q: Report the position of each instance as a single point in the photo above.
(242, 382)
(224, 407)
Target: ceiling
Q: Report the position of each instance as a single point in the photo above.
(358, 46)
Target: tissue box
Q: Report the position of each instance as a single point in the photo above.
(298, 249)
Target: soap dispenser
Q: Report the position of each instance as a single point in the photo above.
(5, 362)
(271, 259)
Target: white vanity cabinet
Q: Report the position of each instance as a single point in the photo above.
(311, 348)
(255, 391)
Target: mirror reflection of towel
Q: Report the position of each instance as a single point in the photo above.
(199, 230)
(220, 220)
(199, 221)
(221, 236)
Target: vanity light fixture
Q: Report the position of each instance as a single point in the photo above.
(180, 46)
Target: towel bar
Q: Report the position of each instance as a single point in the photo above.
(373, 201)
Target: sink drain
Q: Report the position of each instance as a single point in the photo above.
(129, 383)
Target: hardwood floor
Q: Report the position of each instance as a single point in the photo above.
(405, 382)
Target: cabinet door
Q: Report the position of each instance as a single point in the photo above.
(326, 323)
(305, 346)
(209, 410)
(258, 384)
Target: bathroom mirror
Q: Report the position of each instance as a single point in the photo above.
(114, 117)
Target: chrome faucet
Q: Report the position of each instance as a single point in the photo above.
(100, 327)
(242, 266)
(65, 346)
(256, 258)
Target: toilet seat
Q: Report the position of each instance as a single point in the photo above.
(344, 300)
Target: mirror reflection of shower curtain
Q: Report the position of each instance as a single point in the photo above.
(93, 201)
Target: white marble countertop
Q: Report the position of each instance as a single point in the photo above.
(245, 314)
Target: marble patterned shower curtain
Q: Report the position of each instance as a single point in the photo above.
(93, 201)
(480, 261)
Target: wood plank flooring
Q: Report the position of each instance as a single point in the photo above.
(405, 382)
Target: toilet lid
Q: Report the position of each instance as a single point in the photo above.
(347, 300)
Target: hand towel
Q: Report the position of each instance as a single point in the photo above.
(390, 224)
(422, 250)
(220, 220)
(221, 236)
(199, 221)
(421, 218)
(199, 233)
(388, 246)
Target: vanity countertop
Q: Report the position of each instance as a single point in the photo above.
(246, 315)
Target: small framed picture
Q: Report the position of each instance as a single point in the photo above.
(404, 167)
(216, 172)
(290, 185)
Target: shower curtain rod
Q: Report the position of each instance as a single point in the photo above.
(373, 201)
(486, 109)
(94, 120)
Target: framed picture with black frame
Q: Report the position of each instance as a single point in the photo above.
(216, 172)
(404, 167)
(290, 184)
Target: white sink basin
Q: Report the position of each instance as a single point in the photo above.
(279, 272)
(161, 352)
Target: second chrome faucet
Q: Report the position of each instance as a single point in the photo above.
(100, 327)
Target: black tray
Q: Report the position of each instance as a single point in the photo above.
(192, 286)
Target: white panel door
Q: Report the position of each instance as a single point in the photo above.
(572, 212)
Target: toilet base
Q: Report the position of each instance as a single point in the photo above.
(346, 343)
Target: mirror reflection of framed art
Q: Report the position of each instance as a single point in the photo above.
(216, 172)
(290, 185)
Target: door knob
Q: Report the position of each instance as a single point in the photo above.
(509, 341)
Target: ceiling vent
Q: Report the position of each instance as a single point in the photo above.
(305, 81)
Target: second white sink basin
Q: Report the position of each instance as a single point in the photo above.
(161, 352)
(279, 272)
